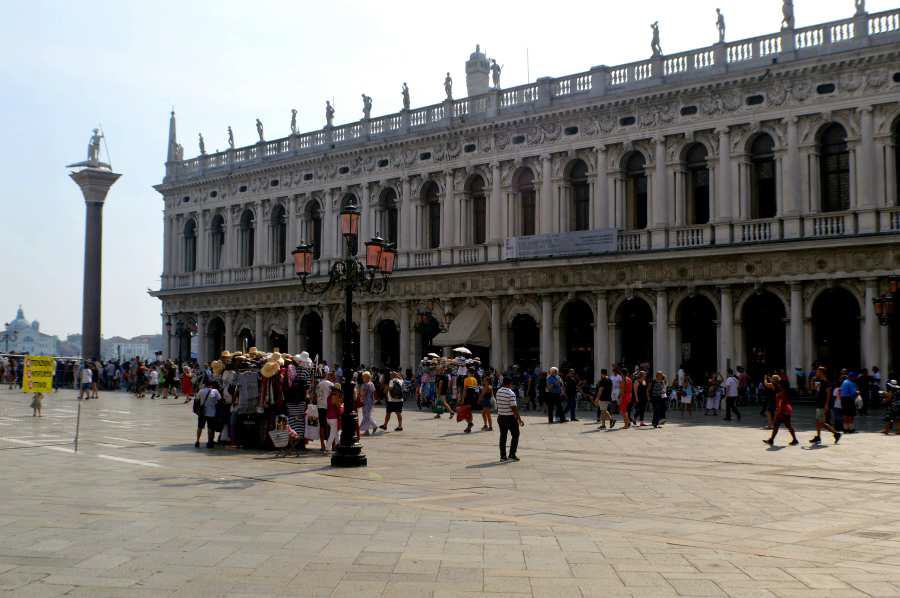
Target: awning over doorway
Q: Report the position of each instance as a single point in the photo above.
(470, 327)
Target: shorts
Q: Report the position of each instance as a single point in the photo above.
(323, 417)
(820, 416)
(394, 406)
(603, 406)
(85, 386)
(848, 406)
(201, 421)
(153, 388)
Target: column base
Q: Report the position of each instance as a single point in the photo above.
(722, 233)
(658, 238)
(349, 456)
(792, 227)
(867, 221)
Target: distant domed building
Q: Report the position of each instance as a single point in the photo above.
(22, 336)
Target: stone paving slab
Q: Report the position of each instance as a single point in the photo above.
(697, 508)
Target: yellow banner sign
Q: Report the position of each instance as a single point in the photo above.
(38, 374)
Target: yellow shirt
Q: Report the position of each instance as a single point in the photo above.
(470, 382)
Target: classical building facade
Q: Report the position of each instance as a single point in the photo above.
(748, 193)
(22, 336)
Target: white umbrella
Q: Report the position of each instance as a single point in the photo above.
(435, 355)
(462, 350)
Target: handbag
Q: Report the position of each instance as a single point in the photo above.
(463, 413)
(858, 402)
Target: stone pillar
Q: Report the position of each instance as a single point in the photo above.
(884, 353)
(658, 208)
(866, 183)
(496, 343)
(871, 333)
(169, 326)
(292, 331)
(796, 328)
(726, 330)
(203, 344)
(546, 212)
(327, 336)
(601, 334)
(94, 183)
(496, 218)
(290, 235)
(229, 332)
(167, 245)
(791, 186)
(447, 217)
(407, 219)
(405, 360)
(365, 357)
(601, 209)
(259, 334)
(660, 343)
(723, 189)
(546, 332)
(202, 241)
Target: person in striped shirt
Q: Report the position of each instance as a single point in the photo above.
(508, 419)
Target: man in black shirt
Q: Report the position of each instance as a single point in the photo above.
(822, 389)
(571, 387)
(602, 399)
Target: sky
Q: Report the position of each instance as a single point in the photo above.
(69, 66)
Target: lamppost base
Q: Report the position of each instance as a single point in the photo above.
(349, 456)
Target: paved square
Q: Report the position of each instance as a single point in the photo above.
(697, 508)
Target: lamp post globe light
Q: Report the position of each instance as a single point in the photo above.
(349, 274)
(886, 304)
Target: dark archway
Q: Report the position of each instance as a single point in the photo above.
(576, 322)
(277, 341)
(525, 341)
(387, 345)
(697, 323)
(764, 334)
(427, 328)
(245, 340)
(835, 322)
(311, 334)
(215, 338)
(634, 331)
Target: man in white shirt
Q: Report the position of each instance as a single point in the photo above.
(323, 391)
(87, 379)
(731, 395)
(616, 380)
(508, 419)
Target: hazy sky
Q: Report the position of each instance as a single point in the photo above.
(68, 66)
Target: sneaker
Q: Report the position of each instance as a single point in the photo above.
(398, 429)
(611, 424)
(603, 427)
(769, 441)
(503, 459)
(574, 419)
(197, 444)
(513, 458)
(794, 442)
(837, 437)
(383, 427)
(815, 440)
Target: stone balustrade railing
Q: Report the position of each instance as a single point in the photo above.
(789, 44)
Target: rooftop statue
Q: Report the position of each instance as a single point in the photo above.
(367, 106)
(202, 144)
(720, 24)
(293, 121)
(448, 86)
(405, 93)
(787, 14)
(179, 152)
(654, 43)
(259, 129)
(93, 150)
(860, 7)
(230, 138)
(329, 114)
(495, 73)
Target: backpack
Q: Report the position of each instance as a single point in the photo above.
(197, 405)
(395, 390)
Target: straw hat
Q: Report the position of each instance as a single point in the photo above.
(269, 369)
(237, 354)
(226, 355)
(276, 356)
(217, 367)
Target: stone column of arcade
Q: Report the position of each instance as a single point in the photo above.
(94, 178)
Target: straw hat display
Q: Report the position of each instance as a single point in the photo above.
(269, 369)
(225, 356)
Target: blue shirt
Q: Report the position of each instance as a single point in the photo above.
(554, 385)
(848, 388)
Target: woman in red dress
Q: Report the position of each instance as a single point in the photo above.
(187, 387)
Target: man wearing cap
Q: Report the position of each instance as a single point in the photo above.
(508, 419)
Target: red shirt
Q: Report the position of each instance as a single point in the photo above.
(783, 403)
(629, 389)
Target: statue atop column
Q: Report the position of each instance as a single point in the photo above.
(860, 7)
(329, 114)
(405, 93)
(93, 149)
(259, 130)
(654, 42)
(367, 106)
(448, 86)
(202, 144)
(293, 121)
(230, 138)
(495, 73)
(787, 14)
(720, 25)
(179, 152)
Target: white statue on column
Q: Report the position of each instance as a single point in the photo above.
(202, 144)
(259, 129)
(787, 14)
(860, 7)
(293, 121)
(230, 138)
(329, 114)
(93, 150)
(495, 73)
(405, 93)
(448, 86)
(367, 106)
(720, 25)
(654, 42)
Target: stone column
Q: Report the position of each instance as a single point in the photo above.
(884, 352)
(726, 330)
(723, 189)
(658, 207)
(229, 331)
(601, 208)
(547, 225)
(496, 343)
(169, 326)
(447, 217)
(497, 233)
(601, 334)
(866, 183)
(327, 336)
(259, 334)
(660, 344)
(796, 328)
(202, 241)
(405, 360)
(871, 333)
(290, 235)
(203, 344)
(364, 334)
(546, 332)
(292, 331)
(167, 246)
(94, 183)
(791, 185)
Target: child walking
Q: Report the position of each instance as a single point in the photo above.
(37, 402)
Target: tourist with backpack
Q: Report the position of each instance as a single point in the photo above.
(394, 402)
(206, 408)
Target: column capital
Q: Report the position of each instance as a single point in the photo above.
(792, 119)
(867, 109)
(659, 139)
(725, 289)
(795, 285)
(723, 130)
(600, 149)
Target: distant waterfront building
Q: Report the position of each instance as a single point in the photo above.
(22, 336)
(124, 349)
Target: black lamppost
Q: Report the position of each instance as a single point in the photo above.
(886, 304)
(349, 274)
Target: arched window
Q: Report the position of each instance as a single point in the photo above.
(479, 210)
(635, 192)
(523, 187)
(580, 218)
(247, 238)
(279, 234)
(834, 165)
(431, 200)
(697, 192)
(314, 228)
(190, 246)
(389, 227)
(762, 177)
(216, 242)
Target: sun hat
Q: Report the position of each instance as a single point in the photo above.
(225, 356)
(217, 367)
(269, 369)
